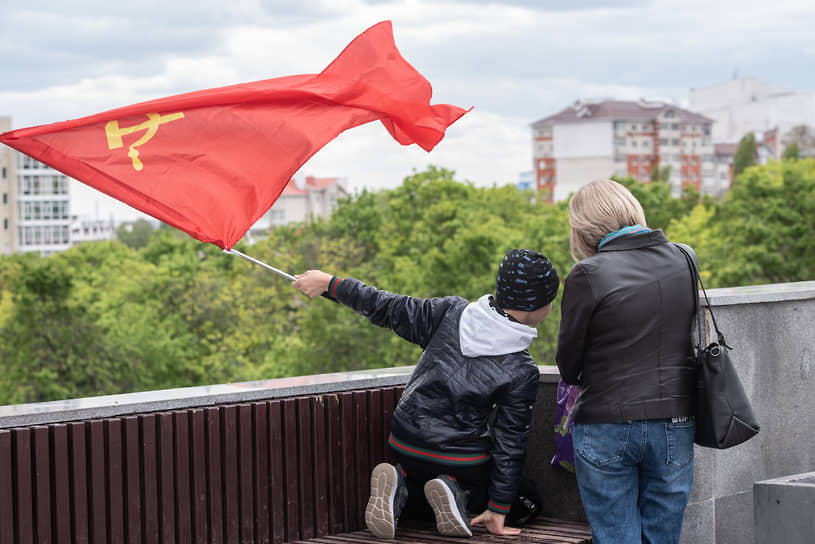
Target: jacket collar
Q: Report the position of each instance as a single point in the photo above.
(635, 241)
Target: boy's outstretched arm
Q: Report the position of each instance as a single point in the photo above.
(312, 282)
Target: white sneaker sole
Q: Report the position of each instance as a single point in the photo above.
(379, 512)
(448, 519)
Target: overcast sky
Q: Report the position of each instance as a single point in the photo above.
(513, 61)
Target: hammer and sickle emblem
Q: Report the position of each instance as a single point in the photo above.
(114, 134)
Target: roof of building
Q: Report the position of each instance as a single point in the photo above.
(626, 110)
(310, 184)
(725, 149)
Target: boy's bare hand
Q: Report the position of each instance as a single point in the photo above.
(313, 282)
(494, 522)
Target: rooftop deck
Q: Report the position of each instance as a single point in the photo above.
(288, 460)
(540, 531)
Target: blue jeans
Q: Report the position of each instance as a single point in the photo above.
(634, 479)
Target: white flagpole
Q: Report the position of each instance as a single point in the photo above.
(264, 265)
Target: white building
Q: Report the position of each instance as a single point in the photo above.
(92, 230)
(35, 208)
(42, 208)
(8, 169)
(745, 105)
(598, 139)
(302, 199)
(526, 180)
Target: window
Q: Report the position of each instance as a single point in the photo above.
(4, 172)
(5, 198)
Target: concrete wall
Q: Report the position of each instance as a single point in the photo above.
(770, 329)
(783, 509)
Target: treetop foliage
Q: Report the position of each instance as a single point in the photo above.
(161, 310)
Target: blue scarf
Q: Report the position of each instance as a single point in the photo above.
(622, 232)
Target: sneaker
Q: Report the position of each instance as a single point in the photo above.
(388, 497)
(449, 503)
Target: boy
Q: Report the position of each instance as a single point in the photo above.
(460, 428)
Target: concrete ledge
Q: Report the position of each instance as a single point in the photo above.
(41, 413)
(20, 415)
(756, 294)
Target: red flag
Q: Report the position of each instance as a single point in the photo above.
(212, 162)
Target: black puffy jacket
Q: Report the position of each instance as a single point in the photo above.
(625, 331)
(450, 398)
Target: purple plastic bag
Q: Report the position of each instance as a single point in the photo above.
(564, 425)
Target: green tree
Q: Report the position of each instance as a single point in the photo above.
(803, 138)
(762, 232)
(657, 202)
(107, 318)
(51, 347)
(661, 174)
(745, 154)
(135, 234)
(791, 152)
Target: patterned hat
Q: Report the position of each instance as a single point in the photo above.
(526, 281)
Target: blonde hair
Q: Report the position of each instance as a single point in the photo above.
(597, 209)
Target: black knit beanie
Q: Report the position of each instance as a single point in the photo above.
(526, 281)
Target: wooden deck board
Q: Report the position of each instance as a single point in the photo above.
(540, 531)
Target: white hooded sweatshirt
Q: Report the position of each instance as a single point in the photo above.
(483, 331)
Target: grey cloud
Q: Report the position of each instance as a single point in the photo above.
(540, 5)
(70, 41)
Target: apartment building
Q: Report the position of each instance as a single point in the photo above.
(598, 139)
(8, 170)
(35, 207)
(92, 230)
(43, 208)
(303, 198)
(745, 105)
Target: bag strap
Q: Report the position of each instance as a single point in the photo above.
(694, 270)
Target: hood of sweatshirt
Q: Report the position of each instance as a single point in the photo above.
(483, 331)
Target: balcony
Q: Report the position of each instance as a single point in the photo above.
(288, 460)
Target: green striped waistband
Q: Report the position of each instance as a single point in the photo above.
(440, 457)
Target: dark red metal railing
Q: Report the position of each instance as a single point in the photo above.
(274, 471)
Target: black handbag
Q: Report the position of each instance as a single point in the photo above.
(724, 416)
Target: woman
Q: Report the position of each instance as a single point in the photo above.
(625, 339)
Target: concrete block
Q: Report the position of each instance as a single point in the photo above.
(698, 526)
(734, 518)
(784, 508)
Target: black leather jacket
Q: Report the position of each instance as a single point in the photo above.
(625, 330)
(450, 399)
